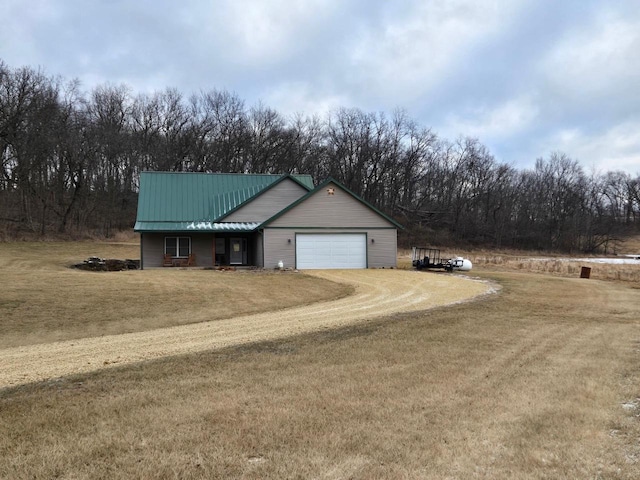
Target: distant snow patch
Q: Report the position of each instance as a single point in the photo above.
(629, 260)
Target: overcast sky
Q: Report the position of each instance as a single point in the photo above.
(525, 77)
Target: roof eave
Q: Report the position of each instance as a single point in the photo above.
(196, 227)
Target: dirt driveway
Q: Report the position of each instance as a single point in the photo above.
(377, 293)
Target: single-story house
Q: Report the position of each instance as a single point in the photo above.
(218, 219)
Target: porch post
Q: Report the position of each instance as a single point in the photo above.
(141, 252)
(213, 250)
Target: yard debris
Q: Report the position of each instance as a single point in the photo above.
(97, 264)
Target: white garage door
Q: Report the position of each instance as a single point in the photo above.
(335, 250)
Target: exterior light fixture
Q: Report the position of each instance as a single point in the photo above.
(373, 240)
(288, 240)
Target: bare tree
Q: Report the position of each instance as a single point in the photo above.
(69, 159)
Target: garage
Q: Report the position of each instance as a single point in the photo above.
(331, 250)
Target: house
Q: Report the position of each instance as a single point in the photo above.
(259, 220)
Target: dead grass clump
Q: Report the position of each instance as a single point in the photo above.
(126, 236)
(631, 245)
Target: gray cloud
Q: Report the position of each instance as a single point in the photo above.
(526, 77)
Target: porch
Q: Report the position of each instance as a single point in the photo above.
(226, 249)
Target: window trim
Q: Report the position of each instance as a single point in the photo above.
(178, 239)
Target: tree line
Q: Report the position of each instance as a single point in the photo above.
(71, 163)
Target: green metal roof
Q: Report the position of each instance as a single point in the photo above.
(180, 197)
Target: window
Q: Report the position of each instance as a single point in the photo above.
(220, 246)
(177, 246)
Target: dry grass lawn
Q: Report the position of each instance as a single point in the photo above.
(42, 300)
(540, 381)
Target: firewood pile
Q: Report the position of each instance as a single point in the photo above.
(97, 264)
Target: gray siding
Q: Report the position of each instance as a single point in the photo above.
(269, 203)
(153, 248)
(276, 247)
(381, 253)
(339, 210)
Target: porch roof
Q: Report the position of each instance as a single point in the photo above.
(195, 226)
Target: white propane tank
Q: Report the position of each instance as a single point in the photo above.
(463, 264)
(459, 264)
(280, 264)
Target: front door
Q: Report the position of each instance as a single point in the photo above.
(238, 255)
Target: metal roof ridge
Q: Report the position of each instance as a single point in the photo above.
(164, 172)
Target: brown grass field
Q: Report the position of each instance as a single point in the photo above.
(43, 301)
(539, 381)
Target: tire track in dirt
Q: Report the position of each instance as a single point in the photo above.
(377, 293)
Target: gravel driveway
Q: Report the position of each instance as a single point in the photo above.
(377, 293)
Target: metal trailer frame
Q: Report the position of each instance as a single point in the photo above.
(427, 257)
